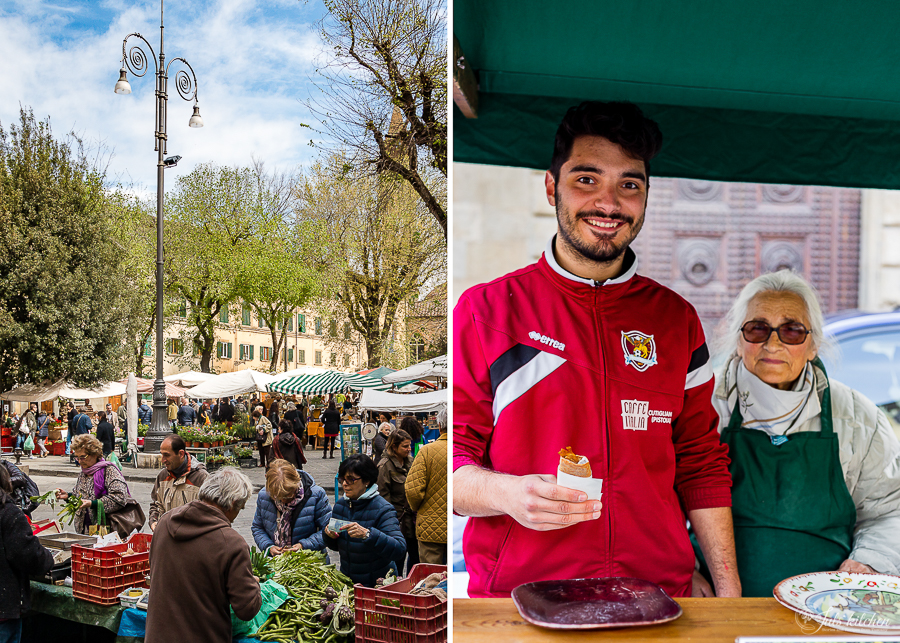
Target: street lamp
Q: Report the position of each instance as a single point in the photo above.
(135, 61)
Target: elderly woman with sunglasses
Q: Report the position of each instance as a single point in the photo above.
(815, 464)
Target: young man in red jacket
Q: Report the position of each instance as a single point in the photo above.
(623, 363)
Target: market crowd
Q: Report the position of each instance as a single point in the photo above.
(391, 515)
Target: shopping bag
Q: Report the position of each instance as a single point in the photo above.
(273, 597)
(29, 443)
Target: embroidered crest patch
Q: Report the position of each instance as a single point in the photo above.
(639, 349)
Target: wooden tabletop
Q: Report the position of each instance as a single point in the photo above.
(496, 620)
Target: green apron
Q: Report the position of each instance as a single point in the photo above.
(792, 511)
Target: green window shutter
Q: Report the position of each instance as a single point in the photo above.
(223, 315)
(245, 315)
(290, 354)
(148, 348)
(301, 323)
(346, 330)
(303, 357)
(290, 323)
(251, 350)
(182, 311)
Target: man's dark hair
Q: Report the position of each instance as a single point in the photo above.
(176, 442)
(621, 123)
(285, 426)
(359, 465)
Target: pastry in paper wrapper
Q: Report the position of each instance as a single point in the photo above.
(574, 472)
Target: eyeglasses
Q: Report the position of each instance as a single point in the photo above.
(81, 457)
(349, 479)
(791, 333)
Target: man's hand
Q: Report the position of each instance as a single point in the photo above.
(534, 501)
(851, 565)
(715, 533)
(700, 588)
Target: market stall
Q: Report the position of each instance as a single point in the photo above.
(231, 384)
(430, 369)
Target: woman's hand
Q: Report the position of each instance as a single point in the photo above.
(85, 504)
(700, 588)
(851, 565)
(331, 534)
(61, 495)
(297, 547)
(355, 530)
(275, 551)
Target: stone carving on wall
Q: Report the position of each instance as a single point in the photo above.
(783, 193)
(781, 255)
(696, 190)
(698, 260)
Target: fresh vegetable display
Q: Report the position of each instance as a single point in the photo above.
(262, 565)
(321, 608)
(73, 504)
(69, 508)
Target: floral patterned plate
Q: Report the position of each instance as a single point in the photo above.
(590, 603)
(849, 601)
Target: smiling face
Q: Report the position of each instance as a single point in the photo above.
(600, 199)
(777, 364)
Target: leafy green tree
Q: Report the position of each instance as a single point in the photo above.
(384, 91)
(212, 218)
(60, 275)
(382, 253)
(278, 276)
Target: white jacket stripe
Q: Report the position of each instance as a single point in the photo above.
(518, 383)
(699, 376)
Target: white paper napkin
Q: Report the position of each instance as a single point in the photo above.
(591, 486)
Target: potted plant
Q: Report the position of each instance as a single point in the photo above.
(245, 458)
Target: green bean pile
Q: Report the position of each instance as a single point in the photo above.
(320, 609)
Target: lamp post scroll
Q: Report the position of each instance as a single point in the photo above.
(135, 60)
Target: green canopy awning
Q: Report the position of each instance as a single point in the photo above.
(802, 92)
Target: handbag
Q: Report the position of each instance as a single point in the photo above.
(127, 519)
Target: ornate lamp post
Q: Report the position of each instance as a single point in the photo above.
(136, 62)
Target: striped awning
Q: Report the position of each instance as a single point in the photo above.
(326, 382)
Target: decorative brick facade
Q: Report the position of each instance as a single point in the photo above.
(706, 240)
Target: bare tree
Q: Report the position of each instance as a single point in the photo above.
(384, 90)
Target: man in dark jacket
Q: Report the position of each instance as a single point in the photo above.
(145, 413)
(21, 556)
(186, 414)
(225, 412)
(195, 548)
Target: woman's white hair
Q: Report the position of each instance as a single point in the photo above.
(781, 281)
(228, 488)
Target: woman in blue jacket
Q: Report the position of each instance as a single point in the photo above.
(368, 539)
(291, 511)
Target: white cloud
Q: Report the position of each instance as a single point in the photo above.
(253, 61)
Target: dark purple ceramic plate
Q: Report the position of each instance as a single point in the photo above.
(590, 603)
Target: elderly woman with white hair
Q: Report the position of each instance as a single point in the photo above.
(815, 464)
(199, 565)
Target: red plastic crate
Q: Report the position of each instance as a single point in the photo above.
(389, 615)
(100, 574)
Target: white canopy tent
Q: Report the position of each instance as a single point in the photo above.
(47, 391)
(188, 379)
(228, 384)
(372, 400)
(430, 369)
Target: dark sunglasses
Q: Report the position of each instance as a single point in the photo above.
(758, 332)
(349, 479)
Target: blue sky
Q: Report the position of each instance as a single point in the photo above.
(253, 61)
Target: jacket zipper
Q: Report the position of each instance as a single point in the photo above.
(605, 397)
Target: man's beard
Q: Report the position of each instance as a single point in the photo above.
(599, 252)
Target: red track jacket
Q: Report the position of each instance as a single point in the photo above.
(619, 371)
